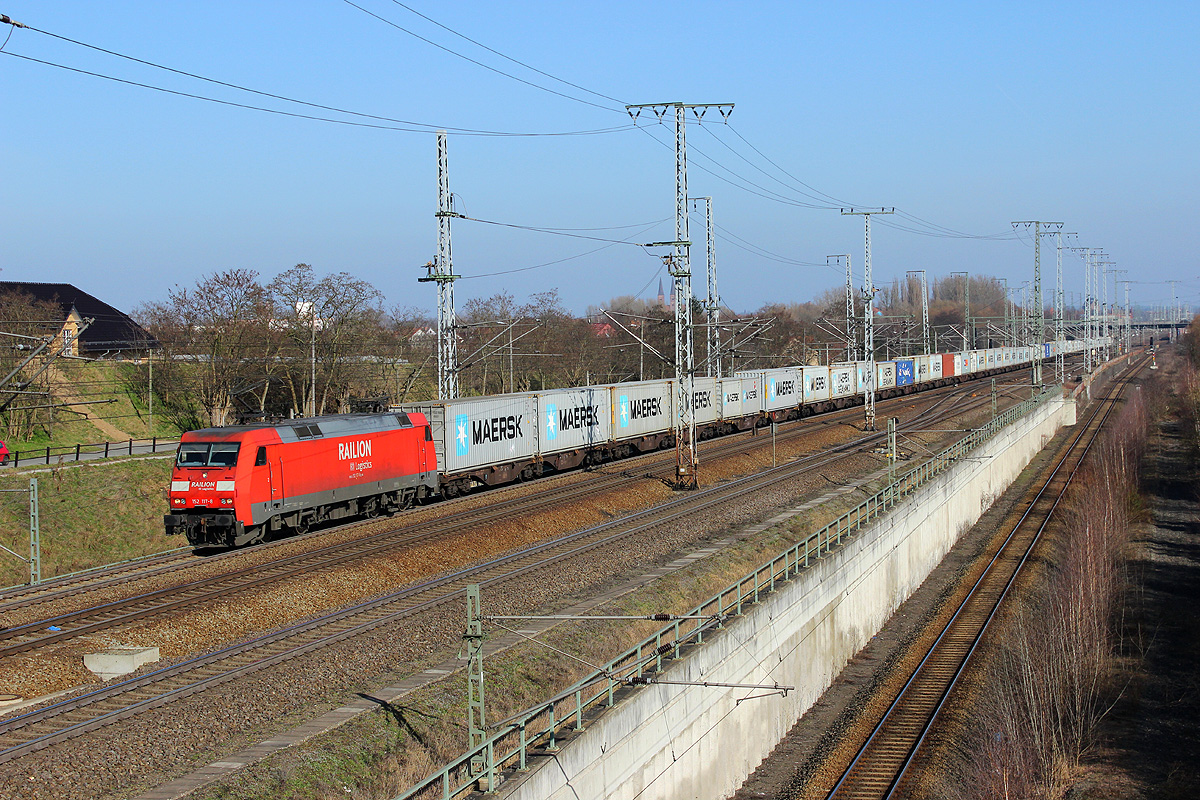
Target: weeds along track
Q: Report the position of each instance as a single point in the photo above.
(43, 727)
(37, 632)
(880, 767)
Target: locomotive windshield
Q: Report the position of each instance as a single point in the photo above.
(205, 454)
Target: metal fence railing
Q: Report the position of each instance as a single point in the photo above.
(510, 746)
(88, 452)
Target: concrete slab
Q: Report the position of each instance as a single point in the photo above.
(117, 661)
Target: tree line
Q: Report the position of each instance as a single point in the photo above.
(238, 346)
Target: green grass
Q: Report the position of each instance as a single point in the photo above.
(90, 381)
(91, 514)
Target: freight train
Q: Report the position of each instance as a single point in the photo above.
(239, 485)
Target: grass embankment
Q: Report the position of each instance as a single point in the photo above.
(106, 388)
(90, 514)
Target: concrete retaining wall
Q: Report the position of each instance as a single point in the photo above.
(669, 741)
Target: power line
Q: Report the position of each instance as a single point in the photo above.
(506, 57)
(406, 126)
(478, 63)
(557, 231)
(559, 260)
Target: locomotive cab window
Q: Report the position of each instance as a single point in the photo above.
(193, 454)
(260, 458)
(224, 454)
(203, 454)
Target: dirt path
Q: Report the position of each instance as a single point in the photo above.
(60, 380)
(1151, 740)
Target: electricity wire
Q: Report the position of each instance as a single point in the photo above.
(506, 57)
(559, 260)
(407, 126)
(478, 63)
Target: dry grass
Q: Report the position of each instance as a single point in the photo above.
(90, 514)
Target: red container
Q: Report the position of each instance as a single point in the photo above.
(947, 365)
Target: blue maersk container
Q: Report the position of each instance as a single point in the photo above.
(904, 372)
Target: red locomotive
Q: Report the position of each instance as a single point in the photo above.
(236, 485)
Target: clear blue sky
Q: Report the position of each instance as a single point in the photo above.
(965, 115)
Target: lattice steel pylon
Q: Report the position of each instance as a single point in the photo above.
(1105, 310)
(868, 315)
(1060, 333)
(441, 272)
(1112, 315)
(967, 338)
(679, 265)
(851, 333)
(924, 310)
(1087, 288)
(1126, 320)
(712, 304)
(1039, 317)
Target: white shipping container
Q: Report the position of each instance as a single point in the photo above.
(741, 396)
(923, 366)
(642, 408)
(781, 389)
(842, 377)
(885, 374)
(482, 431)
(816, 384)
(574, 418)
(866, 375)
(704, 400)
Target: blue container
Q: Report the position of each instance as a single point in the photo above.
(904, 372)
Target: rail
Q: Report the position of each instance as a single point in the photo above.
(541, 725)
(89, 452)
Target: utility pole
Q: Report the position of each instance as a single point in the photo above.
(476, 718)
(686, 462)
(924, 310)
(441, 272)
(1127, 322)
(851, 338)
(966, 309)
(1113, 313)
(1060, 334)
(1103, 322)
(868, 313)
(1174, 320)
(1006, 306)
(150, 393)
(312, 359)
(712, 305)
(1087, 300)
(1039, 318)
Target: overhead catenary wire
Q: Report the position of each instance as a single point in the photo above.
(559, 260)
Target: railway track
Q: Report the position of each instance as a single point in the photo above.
(125, 573)
(44, 727)
(880, 767)
(49, 630)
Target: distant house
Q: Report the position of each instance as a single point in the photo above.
(423, 332)
(111, 333)
(603, 330)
